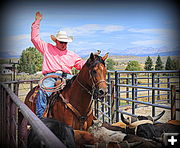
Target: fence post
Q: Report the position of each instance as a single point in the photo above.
(109, 97)
(31, 85)
(173, 102)
(22, 131)
(8, 116)
(95, 108)
(158, 81)
(16, 88)
(112, 101)
(153, 95)
(3, 139)
(168, 86)
(13, 125)
(127, 88)
(102, 108)
(133, 94)
(136, 90)
(117, 96)
(148, 86)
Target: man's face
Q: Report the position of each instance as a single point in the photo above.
(61, 45)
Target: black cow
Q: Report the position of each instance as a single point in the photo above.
(148, 129)
(61, 130)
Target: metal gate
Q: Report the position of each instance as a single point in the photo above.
(129, 87)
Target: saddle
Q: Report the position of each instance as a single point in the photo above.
(33, 94)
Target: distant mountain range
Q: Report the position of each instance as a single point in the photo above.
(134, 51)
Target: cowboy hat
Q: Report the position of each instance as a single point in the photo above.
(62, 36)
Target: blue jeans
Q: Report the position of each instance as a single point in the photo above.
(41, 101)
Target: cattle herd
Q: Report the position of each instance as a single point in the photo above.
(134, 132)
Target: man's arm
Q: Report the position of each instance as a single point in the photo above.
(79, 63)
(35, 37)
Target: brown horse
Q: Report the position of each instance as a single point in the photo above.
(73, 105)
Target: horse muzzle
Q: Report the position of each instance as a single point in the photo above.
(102, 92)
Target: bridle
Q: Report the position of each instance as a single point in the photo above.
(94, 87)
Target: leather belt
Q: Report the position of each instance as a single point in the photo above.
(59, 71)
(63, 74)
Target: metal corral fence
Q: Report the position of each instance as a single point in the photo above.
(137, 88)
(14, 116)
(125, 88)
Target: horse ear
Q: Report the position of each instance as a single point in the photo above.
(92, 56)
(105, 56)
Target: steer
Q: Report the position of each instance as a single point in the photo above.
(61, 130)
(145, 127)
(111, 138)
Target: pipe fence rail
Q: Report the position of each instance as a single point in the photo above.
(14, 116)
(158, 89)
(134, 88)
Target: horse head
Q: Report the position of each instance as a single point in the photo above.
(94, 75)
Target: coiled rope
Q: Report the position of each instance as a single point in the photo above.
(56, 88)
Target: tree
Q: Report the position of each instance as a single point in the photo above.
(175, 64)
(170, 65)
(133, 66)
(30, 61)
(159, 64)
(148, 64)
(110, 64)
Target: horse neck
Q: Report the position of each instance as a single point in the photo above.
(77, 95)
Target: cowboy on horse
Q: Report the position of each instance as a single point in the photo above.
(58, 61)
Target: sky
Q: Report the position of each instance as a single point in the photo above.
(118, 27)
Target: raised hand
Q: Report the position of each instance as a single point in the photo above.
(38, 16)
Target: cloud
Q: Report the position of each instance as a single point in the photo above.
(25, 36)
(92, 29)
(148, 42)
(154, 30)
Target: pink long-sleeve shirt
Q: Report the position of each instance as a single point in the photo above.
(54, 59)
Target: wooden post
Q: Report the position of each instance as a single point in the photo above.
(3, 136)
(22, 131)
(31, 85)
(173, 102)
(13, 133)
(8, 117)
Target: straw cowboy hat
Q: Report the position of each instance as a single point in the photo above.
(62, 36)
